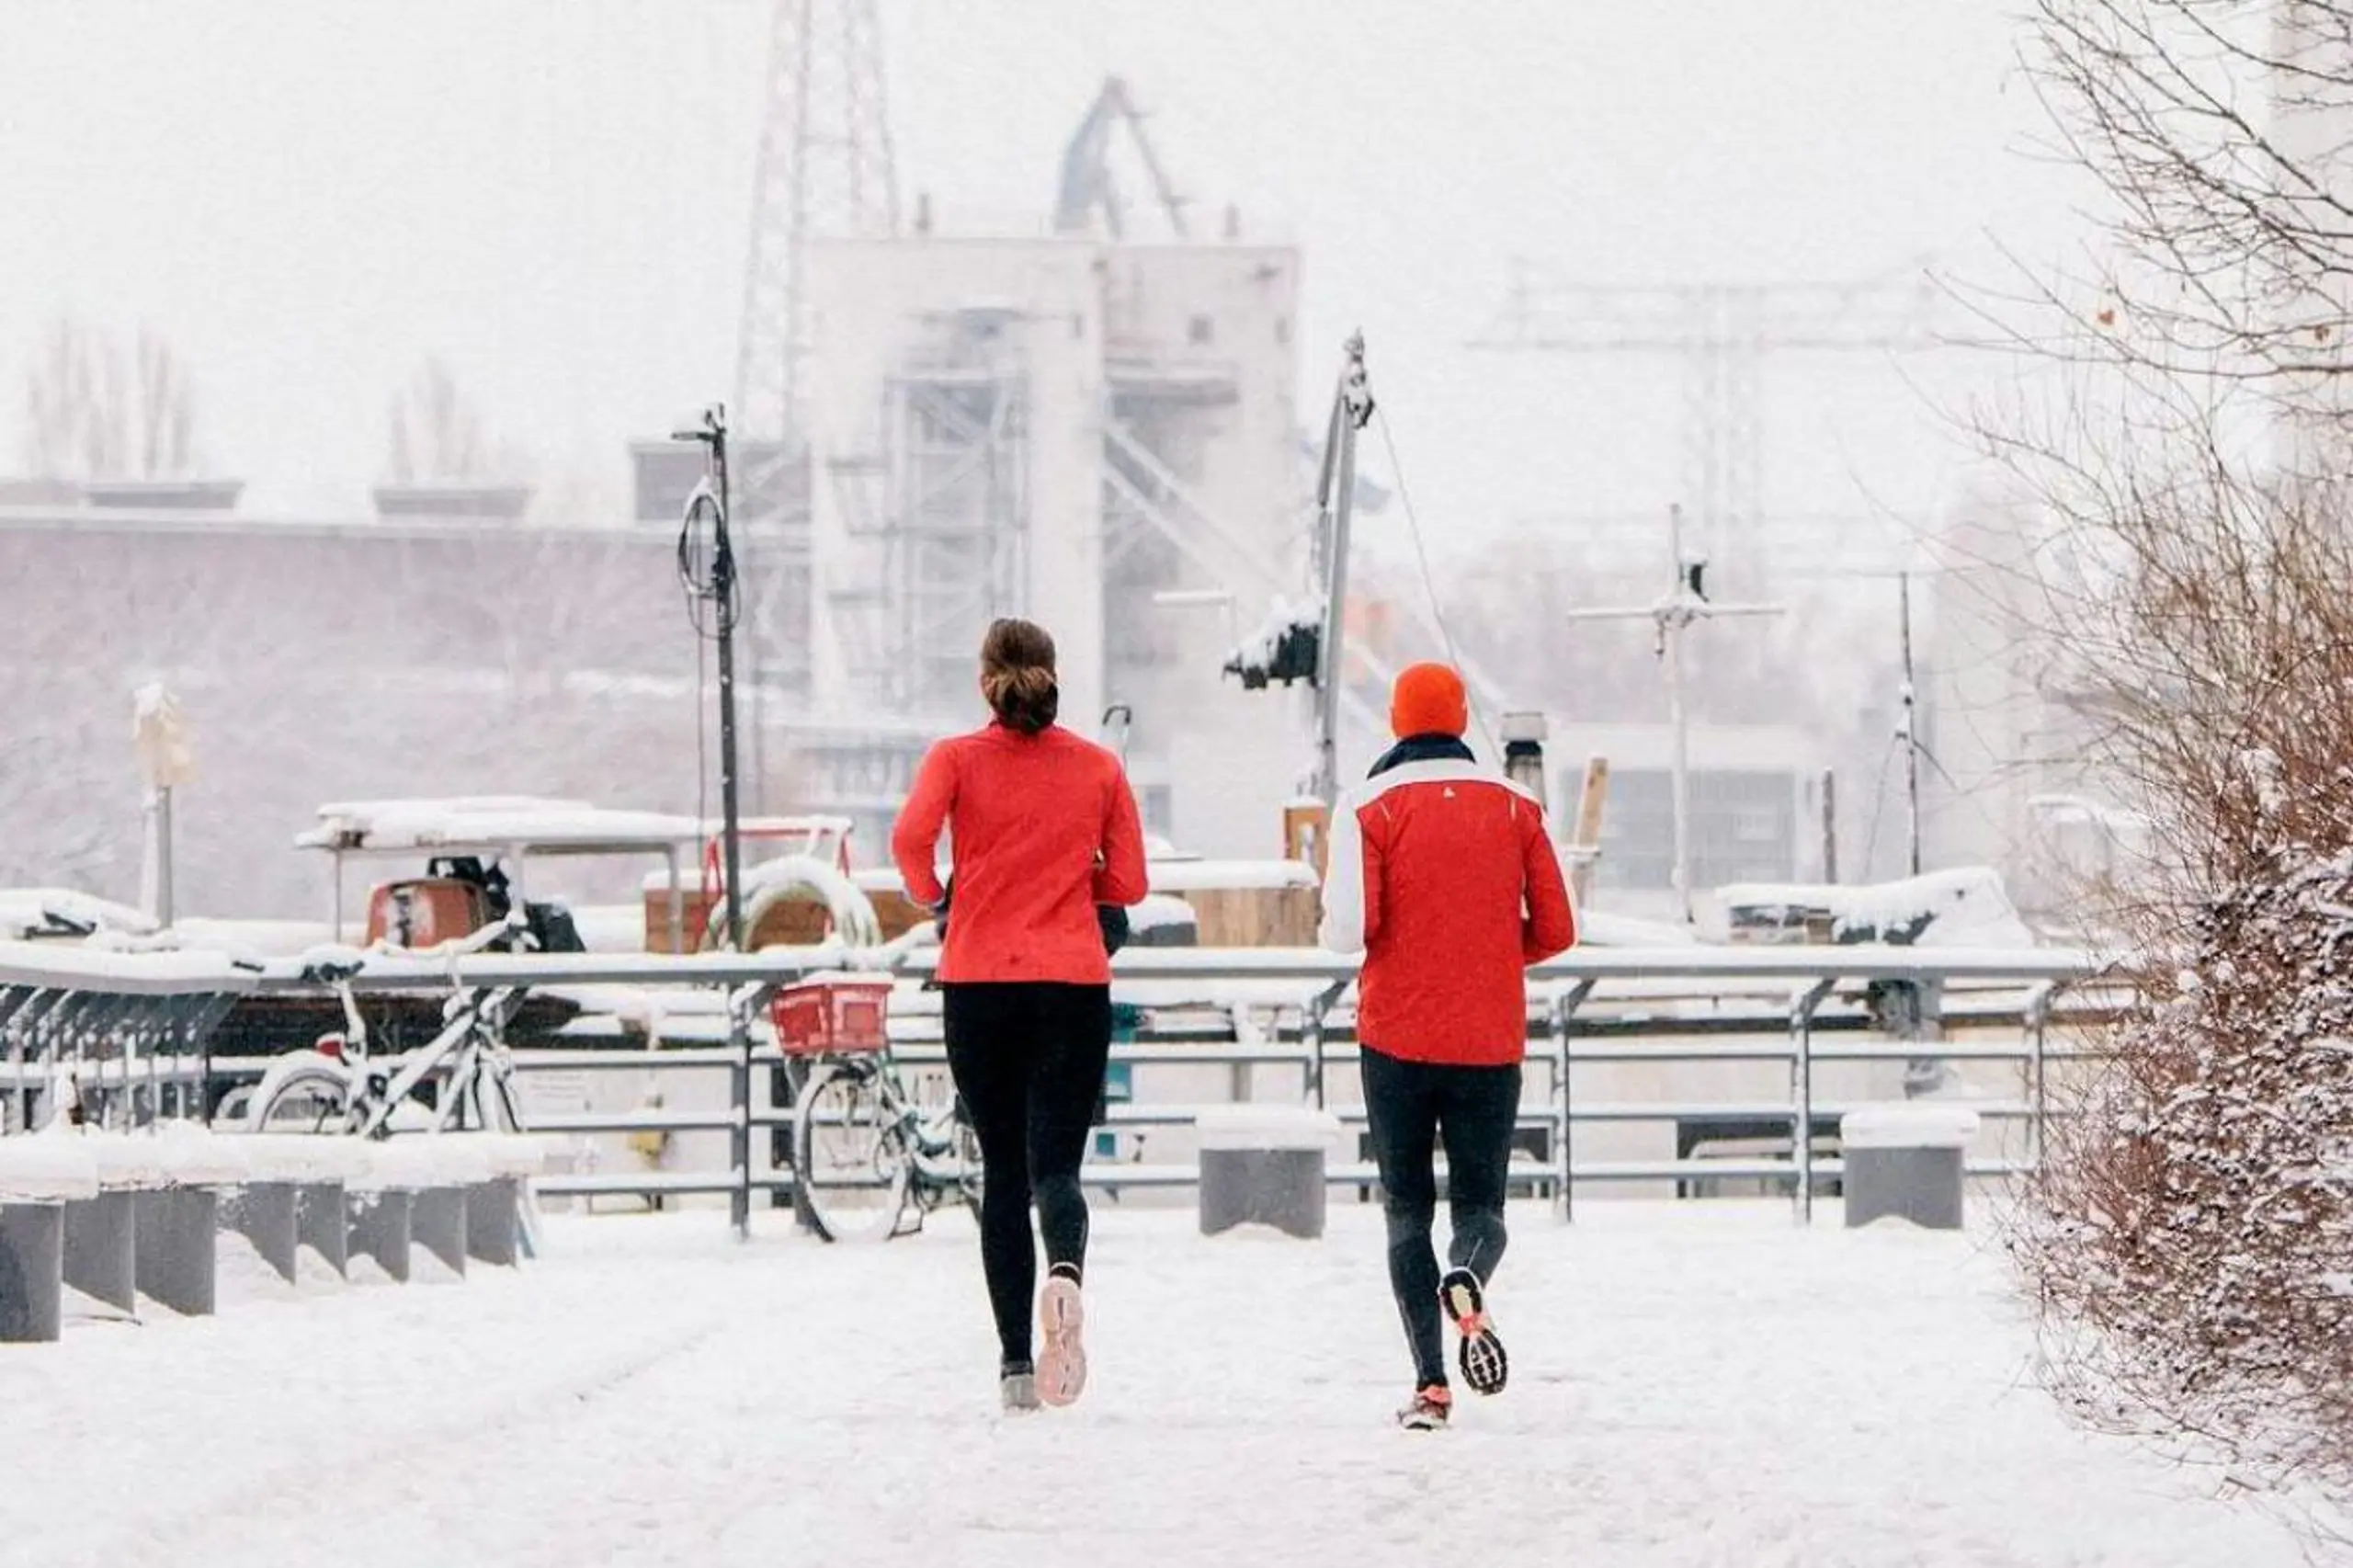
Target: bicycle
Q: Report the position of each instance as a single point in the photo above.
(338, 1087)
(867, 1154)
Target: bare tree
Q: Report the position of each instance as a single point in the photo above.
(2220, 132)
(96, 414)
(437, 437)
(2192, 1231)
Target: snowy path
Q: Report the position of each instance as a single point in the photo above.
(1692, 1386)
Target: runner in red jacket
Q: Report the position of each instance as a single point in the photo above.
(1043, 830)
(1442, 875)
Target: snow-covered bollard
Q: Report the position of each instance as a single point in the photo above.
(494, 1204)
(294, 1198)
(178, 1221)
(1264, 1164)
(381, 1202)
(102, 1231)
(459, 1163)
(39, 1176)
(1906, 1160)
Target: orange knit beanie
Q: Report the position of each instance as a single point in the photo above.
(1428, 700)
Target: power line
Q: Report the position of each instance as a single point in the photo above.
(1429, 583)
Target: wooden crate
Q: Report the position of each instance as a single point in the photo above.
(795, 922)
(1255, 917)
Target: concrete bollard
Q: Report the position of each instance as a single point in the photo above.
(318, 1168)
(497, 1230)
(321, 1223)
(1906, 1160)
(32, 1272)
(381, 1200)
(438, 1223)
(381, 1227)
(1264, 1164)
(178, 1263)
(494, 1222)
(264, 1214)
(102, 1248)
(40, 1175)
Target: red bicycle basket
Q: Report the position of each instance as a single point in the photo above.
(835, 1016)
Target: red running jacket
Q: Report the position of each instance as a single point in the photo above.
(1042, 828)
(1443, 877)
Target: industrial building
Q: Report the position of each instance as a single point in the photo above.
(1069, 430)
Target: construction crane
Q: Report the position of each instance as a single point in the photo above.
(825, 169)
(1088, 190)
(1723, 333)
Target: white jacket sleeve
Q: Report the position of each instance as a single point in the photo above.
(1343, 930)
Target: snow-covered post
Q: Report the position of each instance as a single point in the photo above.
(1523, 737)
(167, 760)
(1335, 495)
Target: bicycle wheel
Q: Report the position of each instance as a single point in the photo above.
(849, 1155)
(302, 1096)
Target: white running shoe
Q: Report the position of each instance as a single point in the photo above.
(1061, 1360)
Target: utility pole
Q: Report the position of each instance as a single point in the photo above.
(1910, 723)
(1684, 606)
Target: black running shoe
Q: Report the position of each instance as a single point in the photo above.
(1484, 1366)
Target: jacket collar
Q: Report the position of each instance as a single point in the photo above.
(1421, 748)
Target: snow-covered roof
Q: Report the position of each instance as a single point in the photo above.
(33, 912)
(524, 824)
(1966, 906)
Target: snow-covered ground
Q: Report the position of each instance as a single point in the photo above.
(1692, 1385)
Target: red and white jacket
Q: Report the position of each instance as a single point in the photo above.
(1442, 875)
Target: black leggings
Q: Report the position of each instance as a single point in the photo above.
(1029, 1061)
(1411, 1106)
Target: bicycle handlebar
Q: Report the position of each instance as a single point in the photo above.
(458, 947)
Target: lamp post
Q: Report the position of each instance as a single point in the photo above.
(707, 509)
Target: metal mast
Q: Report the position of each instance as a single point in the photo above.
(1723, 332)
(825, 169)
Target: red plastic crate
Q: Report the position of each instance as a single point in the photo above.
(832, 1016)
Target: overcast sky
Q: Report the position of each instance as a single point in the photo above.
(310, 196)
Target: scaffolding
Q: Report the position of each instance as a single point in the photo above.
(936, 513)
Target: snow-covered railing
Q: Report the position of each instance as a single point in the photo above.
(126, 1021)
(1590, 1008)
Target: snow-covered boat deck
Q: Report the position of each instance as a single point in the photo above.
(1697, 1384)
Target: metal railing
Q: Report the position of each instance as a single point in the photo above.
(1795, 1008)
